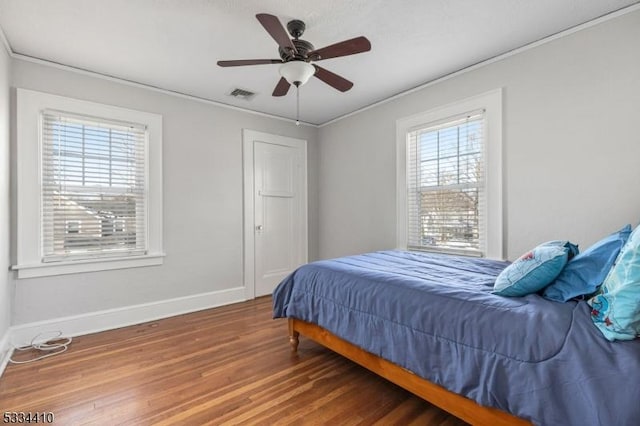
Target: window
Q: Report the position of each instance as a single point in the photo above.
(89, 186)
(446, 184)
(93, 171)
(449, 179)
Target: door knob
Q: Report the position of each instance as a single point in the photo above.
(259, 228)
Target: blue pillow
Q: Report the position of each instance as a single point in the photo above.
(616, 310)
(534, 270)
(584, 274)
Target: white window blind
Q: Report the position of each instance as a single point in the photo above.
(446, 185)
(94, 187)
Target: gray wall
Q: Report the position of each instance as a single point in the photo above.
(202, 169)
(571, 145)
(5, 282)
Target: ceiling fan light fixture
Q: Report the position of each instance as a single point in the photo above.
(297, 72)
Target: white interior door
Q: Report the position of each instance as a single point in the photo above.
(275, 209)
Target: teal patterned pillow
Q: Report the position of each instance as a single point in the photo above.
(534, 270)
(616, 310)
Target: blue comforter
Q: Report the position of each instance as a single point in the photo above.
(434, 315)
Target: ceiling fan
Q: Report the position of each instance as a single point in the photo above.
(297, 56)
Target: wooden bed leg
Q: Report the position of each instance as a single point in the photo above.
(293, 336)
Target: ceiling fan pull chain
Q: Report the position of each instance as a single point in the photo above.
(297, 104)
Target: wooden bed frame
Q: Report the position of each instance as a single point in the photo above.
(457, 405)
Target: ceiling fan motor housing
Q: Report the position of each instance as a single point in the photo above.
(303, 47)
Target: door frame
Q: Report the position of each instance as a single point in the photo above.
(248, 137)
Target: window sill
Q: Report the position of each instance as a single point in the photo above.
(86, 265)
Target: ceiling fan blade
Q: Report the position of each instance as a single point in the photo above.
(344, 48)
(242, 62)
(275, 29)
(333, 80)
(281, 88)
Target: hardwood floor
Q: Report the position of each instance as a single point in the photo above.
(228, 365)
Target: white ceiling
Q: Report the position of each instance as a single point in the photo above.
(175, 44)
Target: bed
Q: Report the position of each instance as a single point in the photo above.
(429, 323)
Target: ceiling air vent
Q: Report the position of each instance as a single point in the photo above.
(242, 94)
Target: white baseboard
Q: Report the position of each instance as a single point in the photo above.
(6, 350)
(94, 322)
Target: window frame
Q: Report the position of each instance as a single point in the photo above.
(29, 107)
(491, 103)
